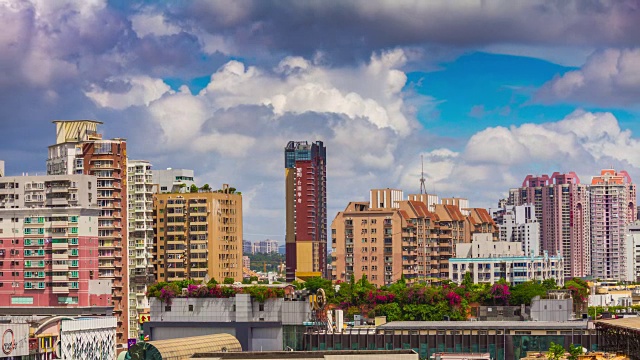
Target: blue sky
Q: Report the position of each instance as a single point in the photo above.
(486, 91)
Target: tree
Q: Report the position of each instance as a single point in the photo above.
(467, 281)
(574, 352)
(525, 292)
(550, 284)
(206, 187)
(556, 352)
(228, 280)
(194, 188)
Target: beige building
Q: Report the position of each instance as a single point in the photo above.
(387, 238)
(80, 149)
(198, 235)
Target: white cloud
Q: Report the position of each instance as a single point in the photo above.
(609, 77)
(152, 24)
(142, 90)
(498, 158)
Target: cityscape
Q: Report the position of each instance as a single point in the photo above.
(319, 180)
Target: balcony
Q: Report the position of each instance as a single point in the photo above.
(60, 246)
(56, 202)
(60, 289)
(60, 278)
(60, 256)
(60, 267)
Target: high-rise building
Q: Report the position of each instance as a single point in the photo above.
(198, 235)
(247, 247)
(519, 224)
(306, 209)
(140, 246)
(265, 247)
(632, 249)
(387, 239)
(561, 205)
(49, 242)
(613, 207)
(80, 149)
(173, 180)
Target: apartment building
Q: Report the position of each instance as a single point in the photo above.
(48, 242)
(613, 207)
(562, 209)
(632, 249)
(381, 243)
(198, 236)
(306, 209)
(173, 180)
(265, 247)
(488, 261)
(519, 224)
(140, 248)
(80, 149)
(450, 228)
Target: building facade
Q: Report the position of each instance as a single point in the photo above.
(49, 253)
(80, 149)
(306, 208)
(265, 247)
(613, 207)
(198, 236)
(140, 246)
(489, 261)
(173, 180)
(561, 205)
(520, 224)
(632, 249)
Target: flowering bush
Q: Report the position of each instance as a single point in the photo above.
(454, 299)
(168, 292)
(500, 293)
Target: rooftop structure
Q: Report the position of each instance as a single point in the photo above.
(328, 355)
(184, 348)
(173, 180)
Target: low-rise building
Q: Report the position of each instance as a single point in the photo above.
(488, 261)
(327, 355)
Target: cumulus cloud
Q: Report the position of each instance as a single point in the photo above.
(498, 158)
(609, 77)
(137, 90)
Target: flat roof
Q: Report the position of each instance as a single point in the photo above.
(437, 325)
(297, 354)
(632, 323)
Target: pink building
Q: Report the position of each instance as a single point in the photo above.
(613, 207)
(49, 243)
(561, 205)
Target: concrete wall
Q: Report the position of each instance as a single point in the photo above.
(174, 332)
(551, 309)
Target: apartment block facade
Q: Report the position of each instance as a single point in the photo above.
(306, 209)
(49, 244)
(265, 247)
(613, 208)
(140, 247)
(561, 205)
(488, 261)
(632, 250)
(519, 224)
(80, 149)
(198, 236)
(385, 243)
(173, 180)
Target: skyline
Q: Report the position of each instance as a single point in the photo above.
(488, 92)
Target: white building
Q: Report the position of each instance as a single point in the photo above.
(519, 224)
(488, 261)
(140, 249)
(632, 249)
(173, 180)
(265, 247)
(88, 338)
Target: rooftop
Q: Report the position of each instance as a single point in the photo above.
(516, 325)
(632, 323)
(298, 354)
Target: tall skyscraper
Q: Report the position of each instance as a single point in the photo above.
(80, 149)
(198, 235)
(520, 224)
(306, 209)
(561, 204)
(613, 207)
(140, 248)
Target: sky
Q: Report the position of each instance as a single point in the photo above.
(485, 91)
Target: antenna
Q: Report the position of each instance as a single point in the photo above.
(423, 187)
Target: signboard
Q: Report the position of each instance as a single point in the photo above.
(14, 340)
(143, 318)
(131, 342)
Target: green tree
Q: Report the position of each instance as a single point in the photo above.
(574, 352)
(193, 189)
(206, 187)
(525, 292)
(228, 280)
(556, 352)
(467, 281)
(550, 284)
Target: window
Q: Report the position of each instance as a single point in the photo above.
(261, 307)
(21, 300)
(167, 308)
(190, 307)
